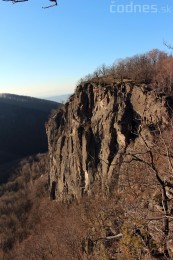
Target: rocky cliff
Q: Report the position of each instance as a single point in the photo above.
(88, 136)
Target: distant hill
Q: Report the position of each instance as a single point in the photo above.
(22, 126)
(59, 98)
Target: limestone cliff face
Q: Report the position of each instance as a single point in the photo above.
(89, 135)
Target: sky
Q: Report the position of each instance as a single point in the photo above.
(44, 52)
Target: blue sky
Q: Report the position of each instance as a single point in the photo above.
(45, 52)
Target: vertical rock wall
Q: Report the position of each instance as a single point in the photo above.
(89, 135)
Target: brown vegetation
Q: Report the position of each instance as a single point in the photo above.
(148, 186)
(29, 182)
(130, 224)
(154, 68)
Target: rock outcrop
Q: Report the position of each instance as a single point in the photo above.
(89, 135)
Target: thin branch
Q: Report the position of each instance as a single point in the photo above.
(49, 6)
(168, 45)
(119, 236)
(160, 218)
(166, 148)
(20, 1)
(103, 160)
(15, 1)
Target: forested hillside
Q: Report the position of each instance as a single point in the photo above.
(22, 126)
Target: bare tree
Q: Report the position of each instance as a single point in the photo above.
(157, 159)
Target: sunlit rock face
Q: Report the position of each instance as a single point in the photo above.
(88, 136)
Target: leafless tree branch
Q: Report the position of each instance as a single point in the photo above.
(54, 2)
(168, 45)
